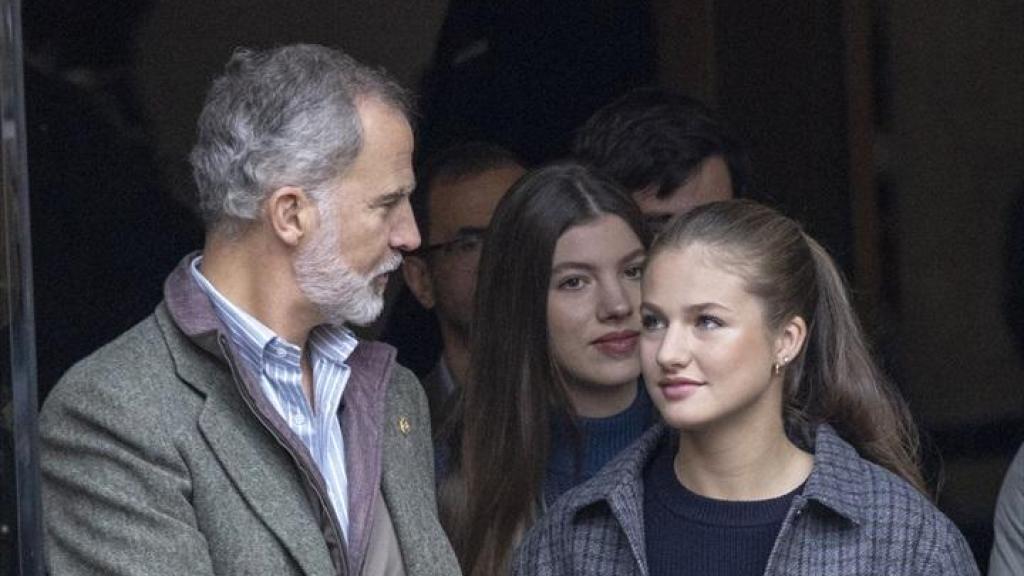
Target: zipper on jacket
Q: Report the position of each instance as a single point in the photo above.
(306, 475)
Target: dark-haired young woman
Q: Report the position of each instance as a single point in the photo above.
(784, 450)
(554, 392)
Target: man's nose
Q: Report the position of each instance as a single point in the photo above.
(405, 236)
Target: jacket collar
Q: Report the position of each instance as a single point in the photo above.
(620, 485)
(362, 408)
(836, 480)
(191, 309)
(192, 312)
(838, 477)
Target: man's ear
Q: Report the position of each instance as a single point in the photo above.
(291, 214)
(790, 339)
(416, 272)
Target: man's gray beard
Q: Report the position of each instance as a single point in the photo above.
(342, 295)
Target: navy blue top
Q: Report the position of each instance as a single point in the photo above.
(851, 518)
(687, 533)
(600, 440)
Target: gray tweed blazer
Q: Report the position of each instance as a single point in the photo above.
(155, 463)
(853, 518)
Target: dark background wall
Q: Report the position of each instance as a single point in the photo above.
(183, 44)
(952, 156)
(894, 130)
(780, 79)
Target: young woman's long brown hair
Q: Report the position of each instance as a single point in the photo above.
(501, 430)
(834, 379)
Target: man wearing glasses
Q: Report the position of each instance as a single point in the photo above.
(457, 193)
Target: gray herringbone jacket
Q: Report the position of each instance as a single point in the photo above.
(158, 459)
(852, 519)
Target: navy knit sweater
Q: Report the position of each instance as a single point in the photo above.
(687, 533)
(601, 439)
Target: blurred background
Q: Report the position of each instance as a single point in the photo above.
(893, 130)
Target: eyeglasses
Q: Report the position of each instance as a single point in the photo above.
(467, 240)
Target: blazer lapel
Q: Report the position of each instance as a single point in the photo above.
(260, 467)
(266, 477)
(407, 484)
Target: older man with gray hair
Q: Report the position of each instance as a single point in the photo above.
(242, 428)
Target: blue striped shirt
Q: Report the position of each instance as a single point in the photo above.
(277, 362)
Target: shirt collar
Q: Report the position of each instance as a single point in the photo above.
(334, 343)
(251, 336)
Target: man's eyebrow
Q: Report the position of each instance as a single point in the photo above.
(390, 197)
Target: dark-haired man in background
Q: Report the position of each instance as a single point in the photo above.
(457, 193)
(669, 151)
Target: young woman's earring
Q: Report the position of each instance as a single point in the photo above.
(777, 365)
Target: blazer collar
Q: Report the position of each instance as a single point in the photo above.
(266, 477)
(838, 477)
(193, 314)
(836, 482)
(362, 415)
(620, 485)
(191, 309)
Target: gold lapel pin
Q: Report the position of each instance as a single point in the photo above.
(404, 426)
